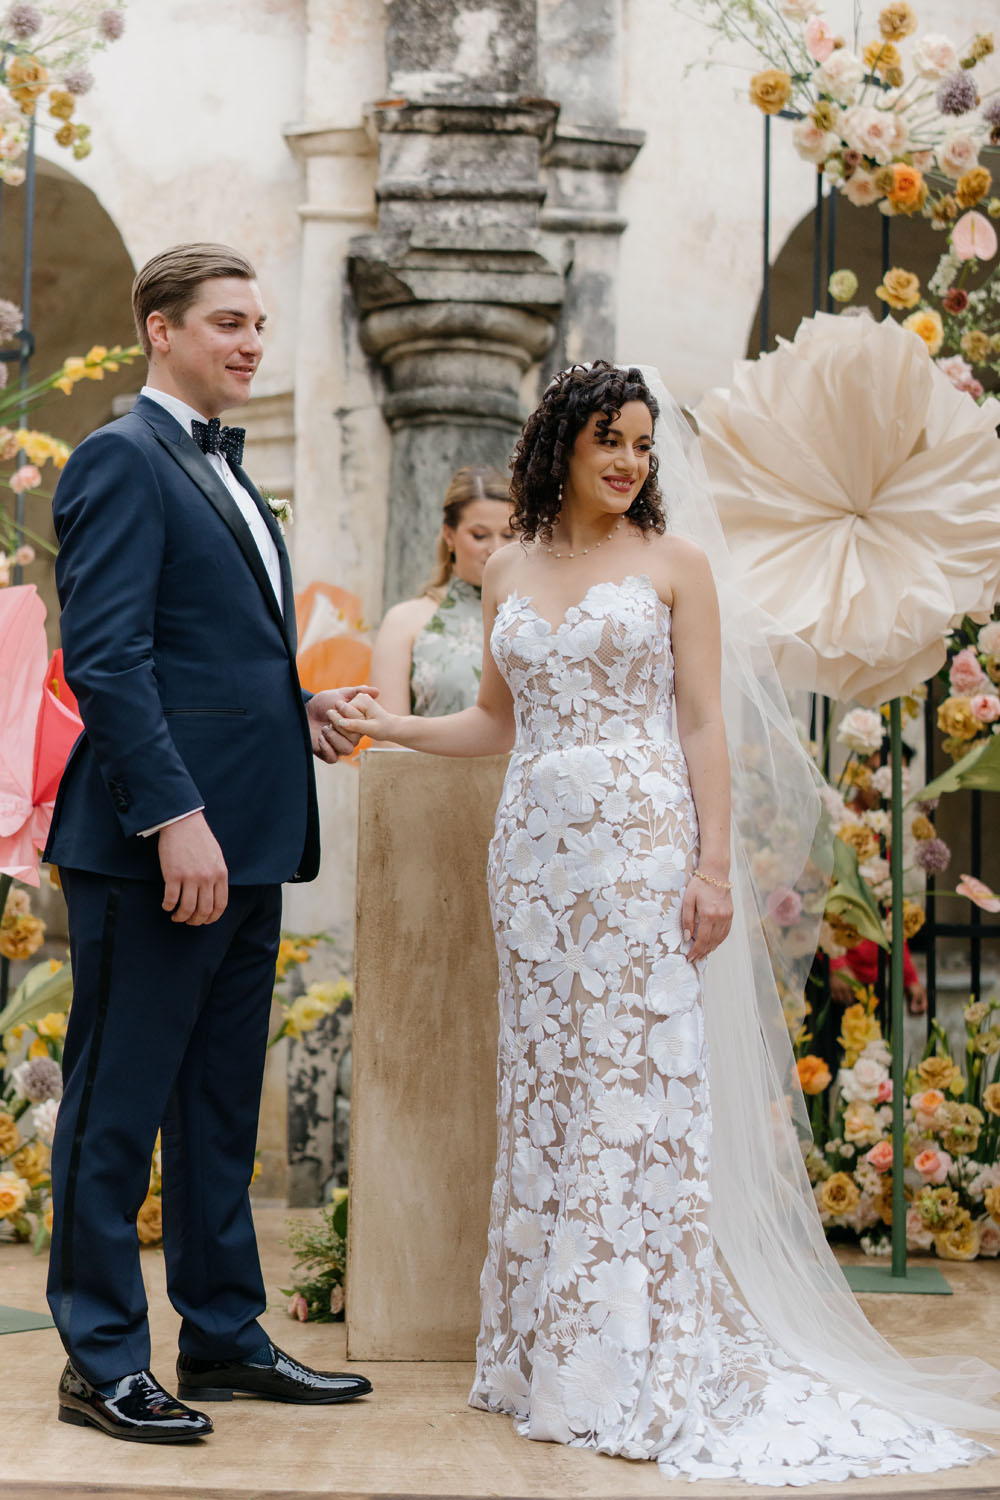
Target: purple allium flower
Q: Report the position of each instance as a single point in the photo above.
(24, 21)
(957, 94)
(933, 856)
(991, 111)
(38, 1079)
(111, 24)
(927, 807)
(78, 80)
(11, 320)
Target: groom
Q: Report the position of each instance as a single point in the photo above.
(186, 803)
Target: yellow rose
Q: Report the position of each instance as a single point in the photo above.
(960, 1241)
(22, 937)
(956, 719)
(991, 1098)
(922, 828)
(13, 1194)
(975, 345)
(32, 1163)
(913, 919)
(927, 325)
(61, 104)
(897, 21)
(972, 187)
(881, 55)
(899, 288)
(938, 1073)
(53, 1025)
(860, 838)
(66, 134)
(771, 90)
(149, 1222)
(839, 1195)
(27, 78)
(991, 1201)
(10, 1136)
(861, 1126)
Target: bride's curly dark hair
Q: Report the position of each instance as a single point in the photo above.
(541, 458)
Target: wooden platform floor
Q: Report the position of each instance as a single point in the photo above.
(415, 1436)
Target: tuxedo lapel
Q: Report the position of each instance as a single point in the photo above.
(186, 452)
(284, 565)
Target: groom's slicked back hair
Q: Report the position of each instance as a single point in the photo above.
(169, 282)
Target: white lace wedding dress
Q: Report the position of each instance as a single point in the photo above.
(608, 1321)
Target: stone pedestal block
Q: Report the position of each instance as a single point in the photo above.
(423, 1094)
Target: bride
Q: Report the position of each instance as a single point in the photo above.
(657, 1284)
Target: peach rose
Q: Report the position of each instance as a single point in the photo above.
(927, 325)
(861, 1126)
(909, 191)
(925, 1107)
(958, 153)
(935, 56)
(880, 1156)
(13, 1194)
(933, 1166)
(814, 1075)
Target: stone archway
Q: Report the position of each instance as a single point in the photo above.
(913, 244)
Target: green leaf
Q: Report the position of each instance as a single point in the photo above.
(39, 992)
(980, 770)
(850, 896)
(338, 1219)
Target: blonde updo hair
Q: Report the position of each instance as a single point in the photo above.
(473, 482)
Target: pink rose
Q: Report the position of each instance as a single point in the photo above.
(935, 56)
(24, 556)
(933, 1166)
(27, 477)
(880, 1156)
(860, 189)
(918, 1236)
(811, 143)
(966, 675)
(958, 153)
(884, 1095)
(989, 1237)
(784, 906)
(986, 707)
(298, 1307)
(819, 39)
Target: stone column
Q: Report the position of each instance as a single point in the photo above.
(456, 291)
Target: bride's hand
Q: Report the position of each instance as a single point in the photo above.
(363, 716)
(706, 916)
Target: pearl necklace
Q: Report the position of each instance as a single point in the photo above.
(584, 550)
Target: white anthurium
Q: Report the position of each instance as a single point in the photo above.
(860, 496)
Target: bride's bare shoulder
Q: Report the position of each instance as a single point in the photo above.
(501, 571)
(676, 564)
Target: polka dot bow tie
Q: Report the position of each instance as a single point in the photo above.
(212, 437)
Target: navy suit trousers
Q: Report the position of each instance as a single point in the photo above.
(167, 1031)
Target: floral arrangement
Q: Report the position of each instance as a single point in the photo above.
(26, 450)
(43, 73)
(29, 1103)
(320, 1249)
(304, 1011)
(899, 125)
(951, 1143)
(970, 715)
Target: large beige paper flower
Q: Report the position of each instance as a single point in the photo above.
(860, 496)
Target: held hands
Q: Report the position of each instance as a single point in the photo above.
(363, 716)
(706, 916)
(322, 711)
(195, 878)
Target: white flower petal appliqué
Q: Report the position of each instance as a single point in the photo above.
(606, 1320)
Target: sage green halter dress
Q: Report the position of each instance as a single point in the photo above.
(448, 654)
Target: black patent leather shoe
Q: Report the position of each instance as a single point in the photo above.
(138, 1409)
(283, 1380)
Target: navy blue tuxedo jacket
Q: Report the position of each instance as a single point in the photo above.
(183, 665)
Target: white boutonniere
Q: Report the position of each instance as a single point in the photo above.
(280, 509)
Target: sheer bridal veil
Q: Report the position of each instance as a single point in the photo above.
(764, 1217)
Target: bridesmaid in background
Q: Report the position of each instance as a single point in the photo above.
(428, 653)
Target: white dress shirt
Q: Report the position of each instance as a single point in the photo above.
(185, 414)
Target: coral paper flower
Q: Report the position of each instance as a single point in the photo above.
(858, 492)
(39, 724)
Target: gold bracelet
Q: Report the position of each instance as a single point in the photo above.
(721, 885)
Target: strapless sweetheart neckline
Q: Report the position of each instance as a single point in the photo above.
(575, 609)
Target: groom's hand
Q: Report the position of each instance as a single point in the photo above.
(327, 742)
(195, 878)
